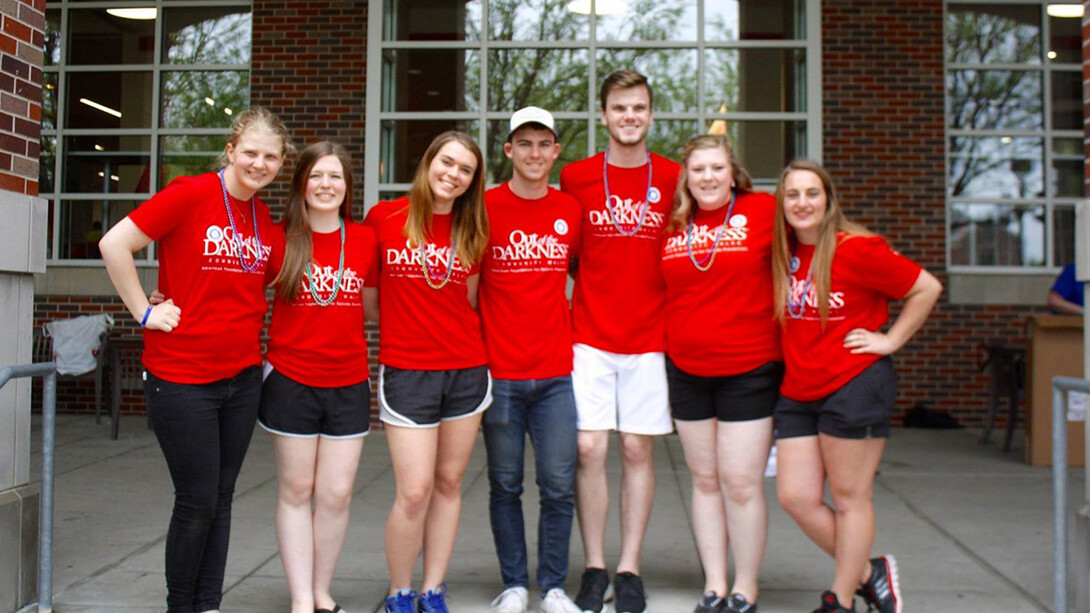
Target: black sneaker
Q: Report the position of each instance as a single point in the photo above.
(882, 592)
(737, 603)
(710, 602)
(592, 591)
(830, 604)
(628, 591)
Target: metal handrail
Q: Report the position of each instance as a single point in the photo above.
(1060, 388)
(47, 370)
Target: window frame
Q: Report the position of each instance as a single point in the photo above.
(59, 197)
(1050, 201)
(376, 45)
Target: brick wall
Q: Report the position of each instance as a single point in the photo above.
(883, 143)
(22, 25)
(1086, 90)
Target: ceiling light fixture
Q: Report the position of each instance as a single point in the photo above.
(135, 13)
(1065, 10)
(103, 108)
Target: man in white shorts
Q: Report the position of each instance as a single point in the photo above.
(619, 373)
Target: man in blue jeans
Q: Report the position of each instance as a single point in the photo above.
(527, 331)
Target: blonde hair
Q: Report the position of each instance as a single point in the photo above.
(469, 223)
(262, 119)
(298, 245)
(832, 224)
(683, 198)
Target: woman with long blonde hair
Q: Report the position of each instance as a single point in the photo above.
(202, 343)
(434, 383)
(715, 262)
(833, 282)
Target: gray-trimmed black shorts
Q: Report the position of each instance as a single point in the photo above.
(861, 409)
(423, 398)
(290, 408)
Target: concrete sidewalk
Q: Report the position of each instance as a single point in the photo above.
(970, 526)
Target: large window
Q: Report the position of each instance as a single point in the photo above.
(751, 67)
(1014, 133)
(135, 94)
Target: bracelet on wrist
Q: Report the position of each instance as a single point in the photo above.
(144, 321)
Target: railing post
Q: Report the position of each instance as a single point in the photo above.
(45, 529)
(1059, 489)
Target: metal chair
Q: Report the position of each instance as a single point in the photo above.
(126, 373)
(1007, 366)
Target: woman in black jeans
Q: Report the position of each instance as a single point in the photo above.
(202, 344)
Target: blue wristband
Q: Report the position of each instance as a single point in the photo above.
(144, 322)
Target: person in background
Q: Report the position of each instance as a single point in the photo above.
(1067, 294)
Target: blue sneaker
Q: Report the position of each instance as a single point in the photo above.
(434, 600)
(404, 601)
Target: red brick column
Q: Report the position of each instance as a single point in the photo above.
(884, 145)
(22, 35)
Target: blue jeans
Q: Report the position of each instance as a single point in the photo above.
(544, 409)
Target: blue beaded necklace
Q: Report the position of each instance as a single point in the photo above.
(796, 309)
(234, 229)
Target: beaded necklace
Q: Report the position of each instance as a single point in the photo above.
(796, 309)
(337, 283)
(609, 205)
(706, 264)
(234, 230)
(428, 275)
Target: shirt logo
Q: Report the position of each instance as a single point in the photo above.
(653, 195)
(560, 227)
(738, 221)
(793, 265)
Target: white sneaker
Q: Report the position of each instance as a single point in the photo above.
(511, 600)
(557, 601)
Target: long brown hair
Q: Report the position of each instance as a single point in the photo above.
(469, 222)
(783, 238)
(683, 198)
(298, 246)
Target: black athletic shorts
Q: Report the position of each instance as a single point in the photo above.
(290, 408)
(861, 409)
(423, 398)
(742, 397)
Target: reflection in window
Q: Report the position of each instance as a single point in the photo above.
(1063, 239)
(991, 33)
(670, 71)
(530, 20)
(203, 98)
(431, 80)
(554, 79)
(107, 164)
(755, 79)
(996, 167)
(108, 100)
(673, 20)
(82, 223)
(997, 235)
(994, 100)
(97, 37)
(188, 156)
(431, 20)
(403, 144)
(206, 35)
(754, 20)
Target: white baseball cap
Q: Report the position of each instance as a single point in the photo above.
(532, 114)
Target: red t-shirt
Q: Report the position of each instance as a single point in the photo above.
(720, 321)
(223, 305)
(325, 346)
(421, 328)
(617, 304)
(524, 310)
(866, 273)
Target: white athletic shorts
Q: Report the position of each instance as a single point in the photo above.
(623, 392)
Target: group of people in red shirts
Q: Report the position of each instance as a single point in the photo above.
(737, 317)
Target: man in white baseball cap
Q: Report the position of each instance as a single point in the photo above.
(534, 231)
